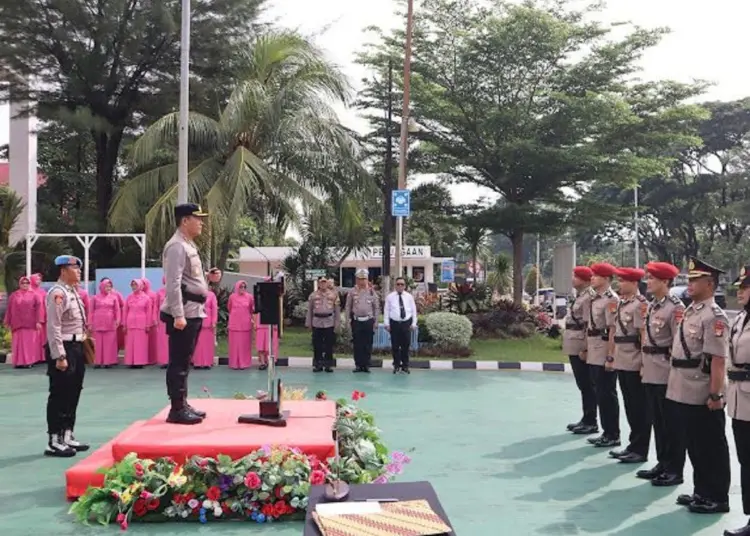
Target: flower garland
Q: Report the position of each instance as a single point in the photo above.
(269, 484)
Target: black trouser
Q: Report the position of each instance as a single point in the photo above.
(585, 384)
(362, 339)
(656, 398)
(636, 411)
(676, 431)
(708, 451)
(605, 387)
(741, 431)
(181, 347)
(323, 340)
(65, 388)
(400, 342)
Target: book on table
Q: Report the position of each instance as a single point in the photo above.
(359, 518)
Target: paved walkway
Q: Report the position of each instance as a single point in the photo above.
(491, 444)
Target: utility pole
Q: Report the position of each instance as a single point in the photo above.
(388, 187)
(404, 132)
(182, 158)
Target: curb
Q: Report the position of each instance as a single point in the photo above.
(415, 364)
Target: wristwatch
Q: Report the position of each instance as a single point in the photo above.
(610, 359)
(715, 397)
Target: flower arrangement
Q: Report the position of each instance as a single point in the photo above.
(272, 483)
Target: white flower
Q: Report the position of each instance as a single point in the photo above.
(238, 479)
(170, 511)
(184, 513)
(193, 503)
(217, 511)
(208, 505)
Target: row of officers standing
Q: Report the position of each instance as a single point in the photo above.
(671, 365)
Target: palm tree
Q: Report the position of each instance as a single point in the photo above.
(474, 239)
(277, 141)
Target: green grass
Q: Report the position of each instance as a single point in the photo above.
(296, 342)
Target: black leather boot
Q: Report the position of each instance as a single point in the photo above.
(180, 414)
(57, 448)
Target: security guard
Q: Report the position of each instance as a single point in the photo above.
(696, 384)
(738, 392)
(362, 307)
(66, 364)
(600, 345)
(323, 317)
(627, 363)
(662, 316)
(183, 310)
(574, 346)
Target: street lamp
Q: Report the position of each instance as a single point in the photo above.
(406, 123)
(182, 158)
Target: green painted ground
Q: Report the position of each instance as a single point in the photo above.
(491, 444)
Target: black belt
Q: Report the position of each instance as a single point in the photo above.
(191, 296)
(686, 363)
(659, 350)
(739, 375)
(400, 321)
(322, 315)
(627, 338)
(594, 332)
(573, 327)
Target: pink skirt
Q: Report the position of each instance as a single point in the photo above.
(25, 347)
(261, 340)
(162, 344)
(120, 337)
(204, 349)
(105, 345)
(42, 342)
(153, 345)
(136, 347)
(240, 349)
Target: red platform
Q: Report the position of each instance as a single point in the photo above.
(308, 428)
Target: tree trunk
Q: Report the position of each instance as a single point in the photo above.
(516, 239)
(107, 150)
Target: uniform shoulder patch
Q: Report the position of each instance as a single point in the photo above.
(718, 311)
(719, 328)
(674, 299)
(641, 298)
(58, 298)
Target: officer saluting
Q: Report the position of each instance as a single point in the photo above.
(362, 307)
(66, 364)
(662, 316)
(324, 317)
(183, 309)
(738, 392)
(696, 384)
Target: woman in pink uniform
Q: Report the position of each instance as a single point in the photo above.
(137, 319)
(104, 319)
(162, 341)
(261, 341)
(85, 299)
(36, 286)
(241, 307)
(203, 357)
(152, 345)
(23, 317)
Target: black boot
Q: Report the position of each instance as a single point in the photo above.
(180, 414)
(70, 440)
(744, 531)
(57, 448)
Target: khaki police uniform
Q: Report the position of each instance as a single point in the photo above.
(627, 363)
(186, 292)
(66, 331)
(574, 346)
(324, 317)
(362, 308)
(661, 319)
(601, 312)
(738, 400)
(703, 335)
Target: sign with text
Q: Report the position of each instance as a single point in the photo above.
(312, 275)
(447, 271)
(407, 252)
(401, 204)
(563, 262)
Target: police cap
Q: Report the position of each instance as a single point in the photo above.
(68, 260)
(744, 278)
(362, 273)
(188, 209)
(697, 268)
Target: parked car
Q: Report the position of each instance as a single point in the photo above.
(682, 293)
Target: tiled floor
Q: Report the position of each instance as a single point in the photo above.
(490, 442)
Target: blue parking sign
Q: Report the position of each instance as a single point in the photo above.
(448, 272)
(401, 203)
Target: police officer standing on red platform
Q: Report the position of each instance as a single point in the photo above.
(574, 346)
(696, 385)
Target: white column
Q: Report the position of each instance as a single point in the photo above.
(23, 168)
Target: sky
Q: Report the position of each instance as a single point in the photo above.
(705, 43)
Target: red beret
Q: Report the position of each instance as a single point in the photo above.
(603, 269)
(583, 273)
(630, 274)
(662, 270)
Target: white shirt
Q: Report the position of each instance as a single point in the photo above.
(392, 309)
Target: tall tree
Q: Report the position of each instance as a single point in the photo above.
(115, 64)
(532, 102)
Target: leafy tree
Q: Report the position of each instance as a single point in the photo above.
(533, 102)
(433, 219)
(114, 65)
(277, 139)
(530, 285)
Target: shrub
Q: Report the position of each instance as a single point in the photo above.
(449, 330)
(4, 338)
(468, 298)
(299, 312)
(506, 320)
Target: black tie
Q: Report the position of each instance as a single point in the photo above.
(401, 306)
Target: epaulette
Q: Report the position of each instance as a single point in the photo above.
(591, 292)
(674, 299)
(609, 294)
(718, 311)
(641, 298)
